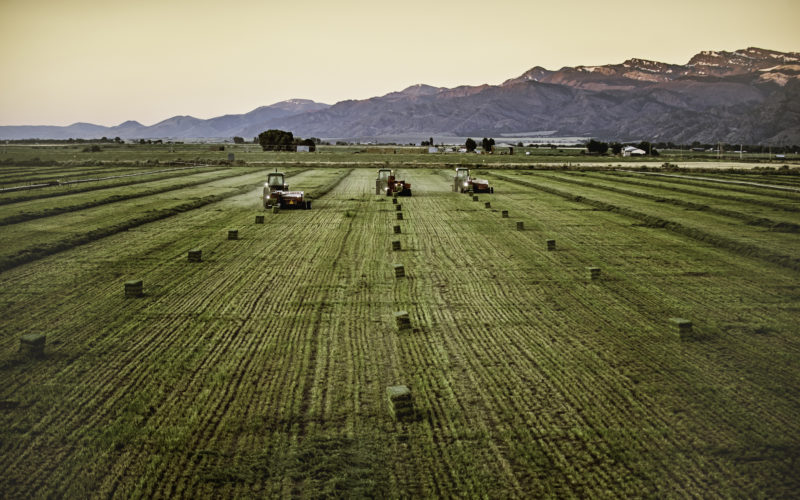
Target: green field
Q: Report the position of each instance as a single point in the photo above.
(262, 371)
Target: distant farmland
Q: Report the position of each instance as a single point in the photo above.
(262, 371)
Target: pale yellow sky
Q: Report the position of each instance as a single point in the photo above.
(105, 62)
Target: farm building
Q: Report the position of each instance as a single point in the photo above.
(303, 149)
(433, 149)
(632, 151)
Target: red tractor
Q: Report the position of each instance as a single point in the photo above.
(388, 183)
(277, 194)
(463, 183)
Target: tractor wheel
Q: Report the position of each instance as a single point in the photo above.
(308, 205)
(491, 189)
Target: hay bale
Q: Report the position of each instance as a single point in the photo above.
(684, 326)
(399, 271)
(551, 245)
(594, 273)
(259, 219)
(396, 245)
(520, 225)
(195, 255)
(402, 320)
(397, 230)
(399, 215)
(394, 200)
(474, 198)
(505, 214)
(32, 344)
(488, 204)
(398, 207)
(134, 288)
(233, 234)
(401, 402)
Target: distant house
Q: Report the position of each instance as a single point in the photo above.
(303, 149)
(504, 145)
(632, 151)
(462, 150)
(433, 149)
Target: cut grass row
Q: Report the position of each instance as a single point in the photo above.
(37, 238)
(46, 207)
(56, 191)
(720, 231)
(734, 210)
(37, 175)
(754, 200)
(261, 371)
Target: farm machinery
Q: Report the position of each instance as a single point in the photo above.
(464, 183)
(387, 183)
(277, 194)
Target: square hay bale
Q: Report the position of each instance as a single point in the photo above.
(259, 219)
(399, 271)
(594, 273)
(32, 344)
(134, 288)
(551, 245)
(504, 214)
(401, 402)
(398, 207)
(402, 320)
(474, 198)
(394, 200)
(233, 234)
(684, 326)
(396, 245)
(397, 230)
(488, 204)
(520, 225)
(399, 215)
(195, 255)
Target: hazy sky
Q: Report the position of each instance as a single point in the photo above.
(108, 61)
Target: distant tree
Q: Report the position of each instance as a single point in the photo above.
(520, 145)
(470, 144)
(596, 147)
(616, 148)
(430, 141)
(276, 140)
(645, 146)
(487, 145)
(310, 143)
(238, 140)
(117, 140)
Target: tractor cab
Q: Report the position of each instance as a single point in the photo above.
(382, 182)
(276, 182)
(461, 180)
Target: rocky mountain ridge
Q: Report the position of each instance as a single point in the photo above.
(746, 96)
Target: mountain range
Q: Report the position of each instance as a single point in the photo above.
(749, 96)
